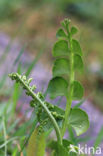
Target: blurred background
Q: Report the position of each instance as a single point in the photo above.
(27, 34)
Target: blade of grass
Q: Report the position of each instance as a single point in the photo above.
(32, 129)
(45, 93)
(72, 137)
(3, 79)
(79, 103)
(82, 101)
(99, 138)
(19, 55)
(5, 53)
(17, 32)
(27, 139)
(5, 135)
(33, 63)
(12, 126)
(84, 139)
(8, 141)
(17, 92)
(7, 108)
(25, 126)
(59, 101)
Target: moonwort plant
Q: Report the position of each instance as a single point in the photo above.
(68, 60)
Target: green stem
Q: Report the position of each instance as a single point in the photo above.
(70, 92)
(56, 127)
(4, 128)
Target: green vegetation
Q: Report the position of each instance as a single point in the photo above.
(32, 25)
(49, 116)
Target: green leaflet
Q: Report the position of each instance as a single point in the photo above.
(59, 150)
(70, 147)
(61, 48)
(78, 63)
(66, 143)
(78, 90)
(61, 34)
(59, 110)
(36, 144)
(78, 120)
(74, 30)
(61, 67)
(76, 47)
(63, 150)
(57, 87)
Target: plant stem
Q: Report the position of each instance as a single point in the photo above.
(4, 128)
(70, 92)
(56, 127)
